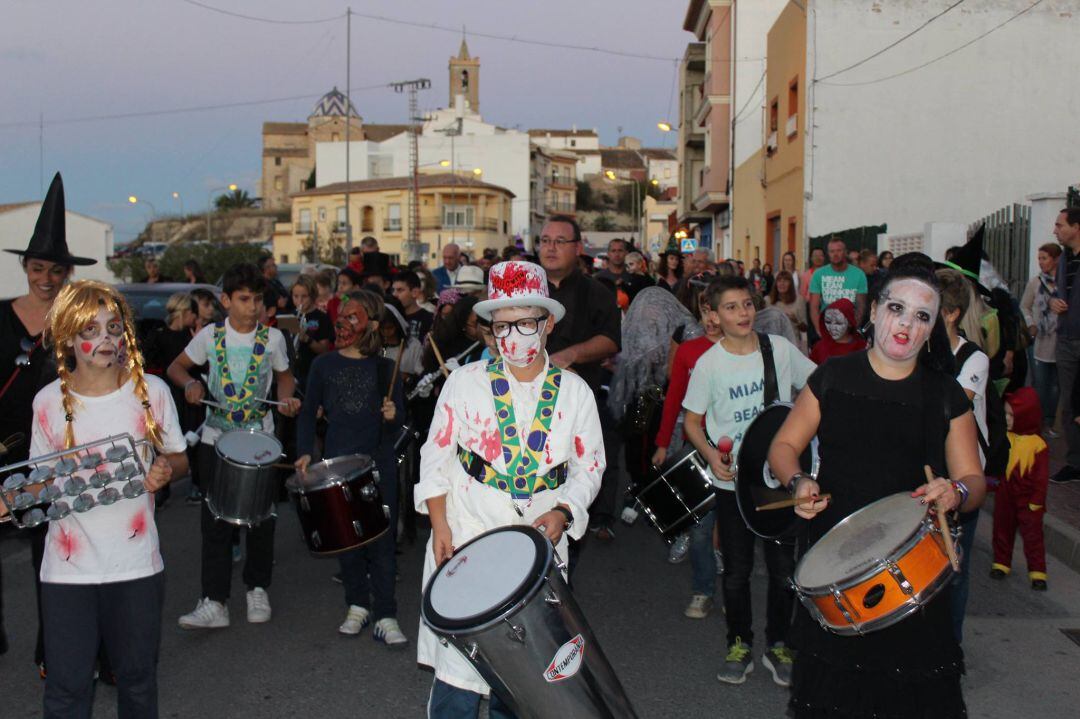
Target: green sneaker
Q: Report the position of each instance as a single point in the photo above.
(778, 660)
(737, 664)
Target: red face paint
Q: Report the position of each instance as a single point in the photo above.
(86, 347)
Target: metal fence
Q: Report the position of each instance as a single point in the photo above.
(1007, 242)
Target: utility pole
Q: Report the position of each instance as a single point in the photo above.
(412, 248)
(348, 124)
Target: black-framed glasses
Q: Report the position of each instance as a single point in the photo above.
(526, 326)
(556, 241)
(27, 346)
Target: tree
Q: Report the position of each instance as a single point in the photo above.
(603, 223)
(584, 196)
(236, 200)
(214, 260)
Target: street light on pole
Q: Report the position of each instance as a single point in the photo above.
(135, 201)
(231, 187)
(176, 196)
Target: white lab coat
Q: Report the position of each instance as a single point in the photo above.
(465, 416)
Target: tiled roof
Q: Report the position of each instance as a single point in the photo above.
(657, 153)
(16, 206)
(402, 183)
(332, 104)
(621, 159)
(285, 128)
(378, 133)
(562, 133)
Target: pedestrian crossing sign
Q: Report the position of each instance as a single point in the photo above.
(689, 244)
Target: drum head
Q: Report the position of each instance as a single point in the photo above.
(485, 579)
(755, 483)
(249, 447)
(875, 532)
(330, 472)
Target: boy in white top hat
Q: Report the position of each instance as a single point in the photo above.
(477, 476)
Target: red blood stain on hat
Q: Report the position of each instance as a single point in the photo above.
(442, 437)
(579, 446)
(514, 279)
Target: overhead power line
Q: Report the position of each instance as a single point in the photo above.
(271, 21)
(955, 50)
(890, 46)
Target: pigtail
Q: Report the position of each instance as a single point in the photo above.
(68, 401)
(135, 370)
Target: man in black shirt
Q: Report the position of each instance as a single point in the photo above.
(590, 333)
(408, 290)
(1066, 305)
(275, 296)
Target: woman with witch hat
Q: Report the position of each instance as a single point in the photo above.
(25, 367)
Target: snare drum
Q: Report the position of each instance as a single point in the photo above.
(874, 568)
(681, 494)
(243, 488)
(339, 504)
(501, 600)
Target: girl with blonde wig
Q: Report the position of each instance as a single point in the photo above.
(101, 575)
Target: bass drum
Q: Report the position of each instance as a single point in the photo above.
(755, 484)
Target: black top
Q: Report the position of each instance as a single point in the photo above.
(419, 323)
(16, 406)
(318, 328)
(160, 348)
(873, 443)
(591, 310)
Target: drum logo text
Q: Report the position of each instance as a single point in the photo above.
(567, 660)
(457, 565)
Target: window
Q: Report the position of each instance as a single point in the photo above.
(304, 225)
(284, 259)
(457, 216)
(774, 115)
(791, 226)
(278, 185)
(322, 214)
(573, 143)
(792, 127)
(277, 161)
(393, 217)
(341, 221)
(667, 173)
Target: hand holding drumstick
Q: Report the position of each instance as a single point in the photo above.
(945, 498)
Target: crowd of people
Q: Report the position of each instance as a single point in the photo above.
(604, 367)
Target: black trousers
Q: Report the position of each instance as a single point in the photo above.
(217, 543)
(737, 546)
(126, 617)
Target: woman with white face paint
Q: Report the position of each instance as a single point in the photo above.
(880, 416)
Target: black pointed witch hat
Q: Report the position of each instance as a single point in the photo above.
(967, 260)
(49, 241)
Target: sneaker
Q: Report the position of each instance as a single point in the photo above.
(208, 614)
(699, 607)
(778, 660)
(629, 515)
(605, 534)
(1066, 474)
(1039, 585)
(258, 606)
(41, 671)
(719, 561)
(998, 573)
(679, 549)
(389, 633)
(737, 664)
(355, 621)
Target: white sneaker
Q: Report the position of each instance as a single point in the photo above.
(699, 607)
(258, 606)
(629, 515)
(388, 632)
(719, 561)
(355, 621)
(208, 614)
(679, 549)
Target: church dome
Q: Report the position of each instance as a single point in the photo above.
(333, 104)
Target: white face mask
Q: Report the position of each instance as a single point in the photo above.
(521, 350)
(835, 324)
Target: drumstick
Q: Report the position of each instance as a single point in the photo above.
(724, 446)
(943, 525)
(284, 465)
(793, 502)
(397, 366)
(438, 356)
(215, 405)
(270, 401)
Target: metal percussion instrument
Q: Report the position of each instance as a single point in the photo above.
(874, 568)
(756, 485)
(339, 504)
(502, 602)
(243, 487)
(680, 495)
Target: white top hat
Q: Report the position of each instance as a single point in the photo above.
(470, 278)
(518, 284)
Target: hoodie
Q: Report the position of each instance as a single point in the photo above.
(828, 347)
(1029, 457)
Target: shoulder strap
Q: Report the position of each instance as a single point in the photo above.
(965, 353)
(772, 393)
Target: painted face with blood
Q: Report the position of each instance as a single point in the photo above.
(903, 318)
(517, 347)
(352, 322)
(101, 343)
(835, 323)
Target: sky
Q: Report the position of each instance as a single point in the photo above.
(64, 61)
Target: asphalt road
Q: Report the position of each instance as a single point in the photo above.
(1020, 663)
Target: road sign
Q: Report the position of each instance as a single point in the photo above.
(689, 244)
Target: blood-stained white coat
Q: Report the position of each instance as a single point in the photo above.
(465, 416)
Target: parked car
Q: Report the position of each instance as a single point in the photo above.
(148, 302)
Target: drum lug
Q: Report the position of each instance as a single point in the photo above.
(304, 504)
(345, 492)
(386, 510)
(357, 528)
(551, 598)
(316, 540)
(472, 650)
(898, 575)
(442, 640)
(841, 604)
(516, 632)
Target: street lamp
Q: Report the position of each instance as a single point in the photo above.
(176, 196)
(231, 187)
(135, 200)
(664, 126)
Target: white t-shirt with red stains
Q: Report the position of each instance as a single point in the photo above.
(114, 543)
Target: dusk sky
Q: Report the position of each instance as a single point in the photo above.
(67, 61)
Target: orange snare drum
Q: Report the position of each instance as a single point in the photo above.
(874, 568)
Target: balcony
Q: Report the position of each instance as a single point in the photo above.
(566, 181)
(560, 208)
(392, 226)
(792, 127)
(771, 143)
(483, 224)
(302, 228)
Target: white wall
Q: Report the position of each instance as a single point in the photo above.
(952, 142)
(562, 142)
(666, 172)
(86, 237)
(753, 18)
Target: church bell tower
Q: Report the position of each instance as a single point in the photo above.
(465, 78)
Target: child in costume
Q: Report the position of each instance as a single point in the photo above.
(840, 337)
(245, 357)
(1021, 497)
(101, 576)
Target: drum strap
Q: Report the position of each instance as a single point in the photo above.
(523, 457)
(772, 392)
(481, 470)
(242, 409)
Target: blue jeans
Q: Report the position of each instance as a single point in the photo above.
(449, 702)
(702, 559)
(960, 585)
(368, 573)
(1045, 379)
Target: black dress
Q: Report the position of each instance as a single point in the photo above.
(873, 443)
(16, 405)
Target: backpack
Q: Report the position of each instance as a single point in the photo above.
(995, 446)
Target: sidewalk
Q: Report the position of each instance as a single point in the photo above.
(1062, 521)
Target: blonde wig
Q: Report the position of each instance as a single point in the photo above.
(177, 304)
(76, 307)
